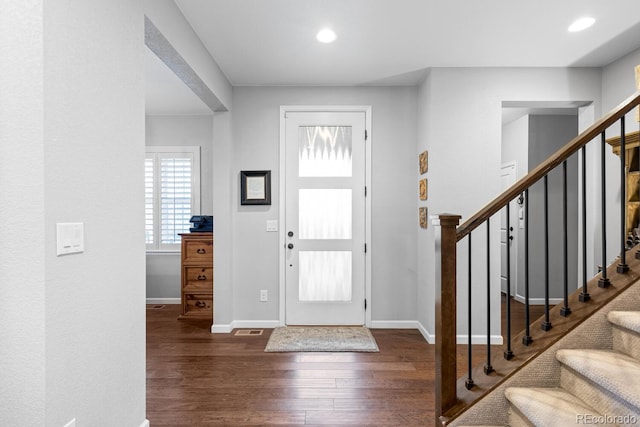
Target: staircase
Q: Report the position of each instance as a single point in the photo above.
(589, 377)
(579, 364)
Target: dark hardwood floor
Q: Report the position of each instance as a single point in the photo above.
(195, 378)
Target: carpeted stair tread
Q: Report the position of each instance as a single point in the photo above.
(548, 406)
(611, 370)
(626, 319)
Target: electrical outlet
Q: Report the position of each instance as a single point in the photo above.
(264, 295)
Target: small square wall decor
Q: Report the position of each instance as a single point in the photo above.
(423, 217)
(423, 189)
(424, 162)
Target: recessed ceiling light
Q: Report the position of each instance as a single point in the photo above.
(326, 36)
(582, 24)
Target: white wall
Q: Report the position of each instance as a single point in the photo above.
(94, 146)
(74, 325)
(22, 353)
(223, 220)
(515, 142)
(463, 116)
(163, 269)
(255, 132)
(424, 244)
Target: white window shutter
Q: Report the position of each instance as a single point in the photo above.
(176, 194)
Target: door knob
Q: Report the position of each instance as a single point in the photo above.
(290, 245)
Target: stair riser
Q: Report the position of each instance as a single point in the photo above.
(626, 341)
(598, 398)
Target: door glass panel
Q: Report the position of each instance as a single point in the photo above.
(324, 151)
(325, 276)
(325, 213)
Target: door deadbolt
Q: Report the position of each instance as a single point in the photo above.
(290, 234)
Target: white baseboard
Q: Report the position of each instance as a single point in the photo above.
(431, 339)
(462, 338)
(163, 301)
(479, 339)
(145, 423)
(270, 324)
(221, 329)
(244, 324)
(394, 324)
(538, 301)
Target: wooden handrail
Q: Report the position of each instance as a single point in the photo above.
(545, 167)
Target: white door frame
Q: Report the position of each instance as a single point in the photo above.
(366, 109)
(514, 243)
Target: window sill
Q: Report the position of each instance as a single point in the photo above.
(164, 252)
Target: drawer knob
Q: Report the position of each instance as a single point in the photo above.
(201, 251)
(202, 277)
(200, 304)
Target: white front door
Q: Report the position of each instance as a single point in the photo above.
(507, 236)
(325, 218)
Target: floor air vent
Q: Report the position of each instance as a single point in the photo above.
(155, 307)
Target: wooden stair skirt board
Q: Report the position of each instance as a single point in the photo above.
(589, 376)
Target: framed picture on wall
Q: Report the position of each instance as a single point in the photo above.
(422, 212)
(424, 162)
(255, 187)
(423, 189)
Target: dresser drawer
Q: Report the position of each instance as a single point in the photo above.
(198, 305)
(198, 286)
(198, 251)
(198, 274)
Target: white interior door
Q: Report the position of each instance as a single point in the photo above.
(508, 236)
(325, 218)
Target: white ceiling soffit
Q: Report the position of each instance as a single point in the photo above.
(513, 110)
(165, 93)
(258, 42)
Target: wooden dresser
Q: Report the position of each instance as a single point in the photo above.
(197, 276)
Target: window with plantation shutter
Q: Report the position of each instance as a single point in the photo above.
(172, 194)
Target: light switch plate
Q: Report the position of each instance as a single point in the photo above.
(69, 238)
(272, 225)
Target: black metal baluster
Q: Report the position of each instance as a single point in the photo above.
(469, 382)
(584, 295)
(526, 339)
(604, 281)
(488, 368)
(508, 353)
(565, 310)
(622, 265)
(546, 324)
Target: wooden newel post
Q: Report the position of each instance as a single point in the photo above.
(445, 268)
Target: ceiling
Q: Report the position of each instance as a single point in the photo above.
(384, 42)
